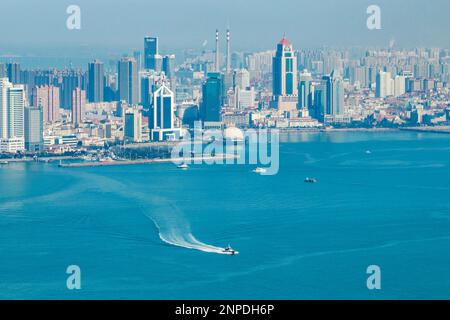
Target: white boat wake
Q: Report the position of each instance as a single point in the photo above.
(168, 218)
(173, 229)
(176, 238)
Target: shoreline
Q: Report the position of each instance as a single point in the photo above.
(187, 160)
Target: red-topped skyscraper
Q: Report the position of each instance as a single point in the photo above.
(285, 82)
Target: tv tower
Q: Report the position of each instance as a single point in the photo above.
(228, 51)
(217, 52)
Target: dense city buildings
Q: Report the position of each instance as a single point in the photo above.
(57, 110)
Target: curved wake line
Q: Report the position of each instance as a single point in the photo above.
(177, 237)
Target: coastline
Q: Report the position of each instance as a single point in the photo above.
(187, 160)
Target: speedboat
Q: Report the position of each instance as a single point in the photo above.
(260, 170)
(183, 166)
(310, 180)
(229, 250)
(368, 152)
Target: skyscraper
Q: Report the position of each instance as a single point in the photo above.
(242, 79)
(71, 79)
(169, 69)
(34, 129)
(285, 83)
(3, 72)
(47, 98)
(212, 93)
(13, 72)
(162, 115)
(385, 84)
(96, 81)
(399, 85)
(137, 54)
(147, 87)
(12, 105)
(152, 58)
(133, 125)
(128, 80)
(332, 95)
(306, 91)
(78, 104)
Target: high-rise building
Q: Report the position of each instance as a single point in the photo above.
(96, 81)
(13, 72)
(242, 79)
(34, 129)
(138, 56)
(306, 90)
(384, 84)
(399, 85)
(152, 58)
(285, 83)
(332, 95)
(78, 104)
(71, 79)
(147, 88)
(162, 115)
(128, 80)
(212, 93)
(47, 98)
(169, 69)
(12, 105)
(3, 72)
(133, 125)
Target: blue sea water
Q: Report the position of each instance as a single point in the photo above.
(390, 208)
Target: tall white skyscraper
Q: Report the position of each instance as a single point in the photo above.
(399, 86)
(162, 115)
(385, 85)
(12, 105)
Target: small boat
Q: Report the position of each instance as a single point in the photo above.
(229, 250)
(368, 152)
(310, 180)
(260, 170)
(4, 162)
(183, 166)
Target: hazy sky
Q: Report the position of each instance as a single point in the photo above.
(255, 24)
